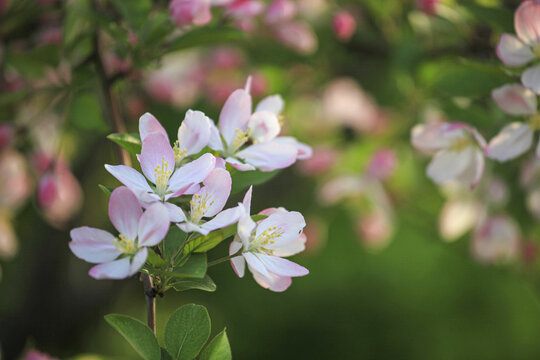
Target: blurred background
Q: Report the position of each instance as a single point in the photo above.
(397, 269)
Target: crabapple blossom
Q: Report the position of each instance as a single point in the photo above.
(525, 47)
(264, 243)
(457, 150)
(344, 25)
(322, 160)
(375, 230)
(382, 164)
(497, 240)
(186, 12)
(279, 11)
(122, 256)
(298, 36)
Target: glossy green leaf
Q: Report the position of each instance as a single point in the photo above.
(205, 36)
(243, 179)
(130, 142)
(137, 334)
(204, 284)
(218, 349)
(186, 331)
(155, 260)
(194, 267)
(173, 242)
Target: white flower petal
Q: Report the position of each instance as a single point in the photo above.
(531, 78)
(513, 140)
(512, 51)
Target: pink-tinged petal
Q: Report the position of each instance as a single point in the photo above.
(512, 141)
(221, 163)
(215, 142)
(282, 267)
(264, 126)
(515, 99)
(269, 156)
(156, 151)
(531, 78)
(194, 132)
(527, 22)
(189, 227)
(148, 124)
(292, 248)
(191, 173)
(93, 245)
(138, 261)
(238, 263)
(272, 103)
(246, 202)
(447, 165)
(512, 51)
(193, 189)
(474, 171)
(235, 114)
(429, 137)
(214, 194)
(125, 211)
(246, 226)
(303, 151)
(255, 264)
(286, 227)
(175, 213)
(273, 282)
(154, 225)
(223, 219)
(129, 177)
(118, 269)
(238, 165)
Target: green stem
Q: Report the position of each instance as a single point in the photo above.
(223, 259)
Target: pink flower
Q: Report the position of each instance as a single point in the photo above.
(263, 245)
(513, 140)
(122, 256)
(37, 355)
(458, 152)
(497, 240)
(375, 230)
(382, 164)
(186, 12)
(523, 48)
(322, 160)
(428, 6)
(515, 99)
(14, 180)
(279, 11)
(6, 135)
(344, 25)
(298, 36)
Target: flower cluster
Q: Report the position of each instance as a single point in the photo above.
(197, 164)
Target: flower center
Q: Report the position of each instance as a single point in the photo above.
(240, 139)
(199, 206)
(125, 245)
(267, 237)
(162, 175)
(459, 144)
(179, 155)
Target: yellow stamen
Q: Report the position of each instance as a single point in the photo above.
(125, 245)
(162, 175)
(199, 206)
(460, 143)
(179, 155)
(268, 236)
(240, 139)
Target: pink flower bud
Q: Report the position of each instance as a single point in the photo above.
(496, 240)
(6, 135)
(321, 161)
(36, 355)
(382, 164)
(242, 9)
(226, 58)
(14, 180)
(375, 230)
(47, 190)
(344, 25)
(259, 85)
(298, 36)
(186, 12)
(315, 235)
(428, 6)
(280, 10)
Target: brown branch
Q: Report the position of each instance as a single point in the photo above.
(150, 295)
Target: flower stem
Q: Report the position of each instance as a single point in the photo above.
(223, 259)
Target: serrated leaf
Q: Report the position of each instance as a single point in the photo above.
(173, 242)
(204, 284)
(218, 349)
(205, 36)
(155, 260)
(130, 142)
(137, 334)
(186, 331)
(195, 267)
(243, 179)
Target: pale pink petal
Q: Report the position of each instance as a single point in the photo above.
(193, 189)
(246, 202)
(189, 227)
(223, 219)
(282, 267)
(129, 177)
(215, 142)
(148, 124)
(238, 165)
(512, 51)
(156, 152)
(448, 164)
(292, 248)
(238, 263)
(194, 132)
(272, 103)
(138, 261)
(429, 137)
(286, 227)
(304, 151)
(93, 245)
(515, 99)
(175, 212)
(269, 156)
(118, 269)
(154, 225)
(264, 126)
(273, 282)
(214, 194)
(125, 211)
(235, 114)
(255, 264)
(191, 173)
(474, 171)
(531, 78)
(246, 226)
(513, 140)
(527, 22)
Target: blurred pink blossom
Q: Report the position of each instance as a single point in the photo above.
(515, 99)
(322, 160)
(14, 180)
(298, 36)
(428, 6)
(375, 230)
(496, 240)
(344, 25)
(279, 11)
(50, 35)
(186, 12)
(458, 216)
(8, 238)
(37, 355)
(382, 164)
(6, 135)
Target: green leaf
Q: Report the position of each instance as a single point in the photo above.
(156, 260)
(85, 113)
(218, 349)
(76, 23)
(205, 36)
(105, 190)
(130, 142)
(137, 334)
(165, 355)
(173, 242)
(135, 12)
(243, 179)
(155, 29)
(195, 267)
(205, 284)
(186, 331)
(496, 17)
